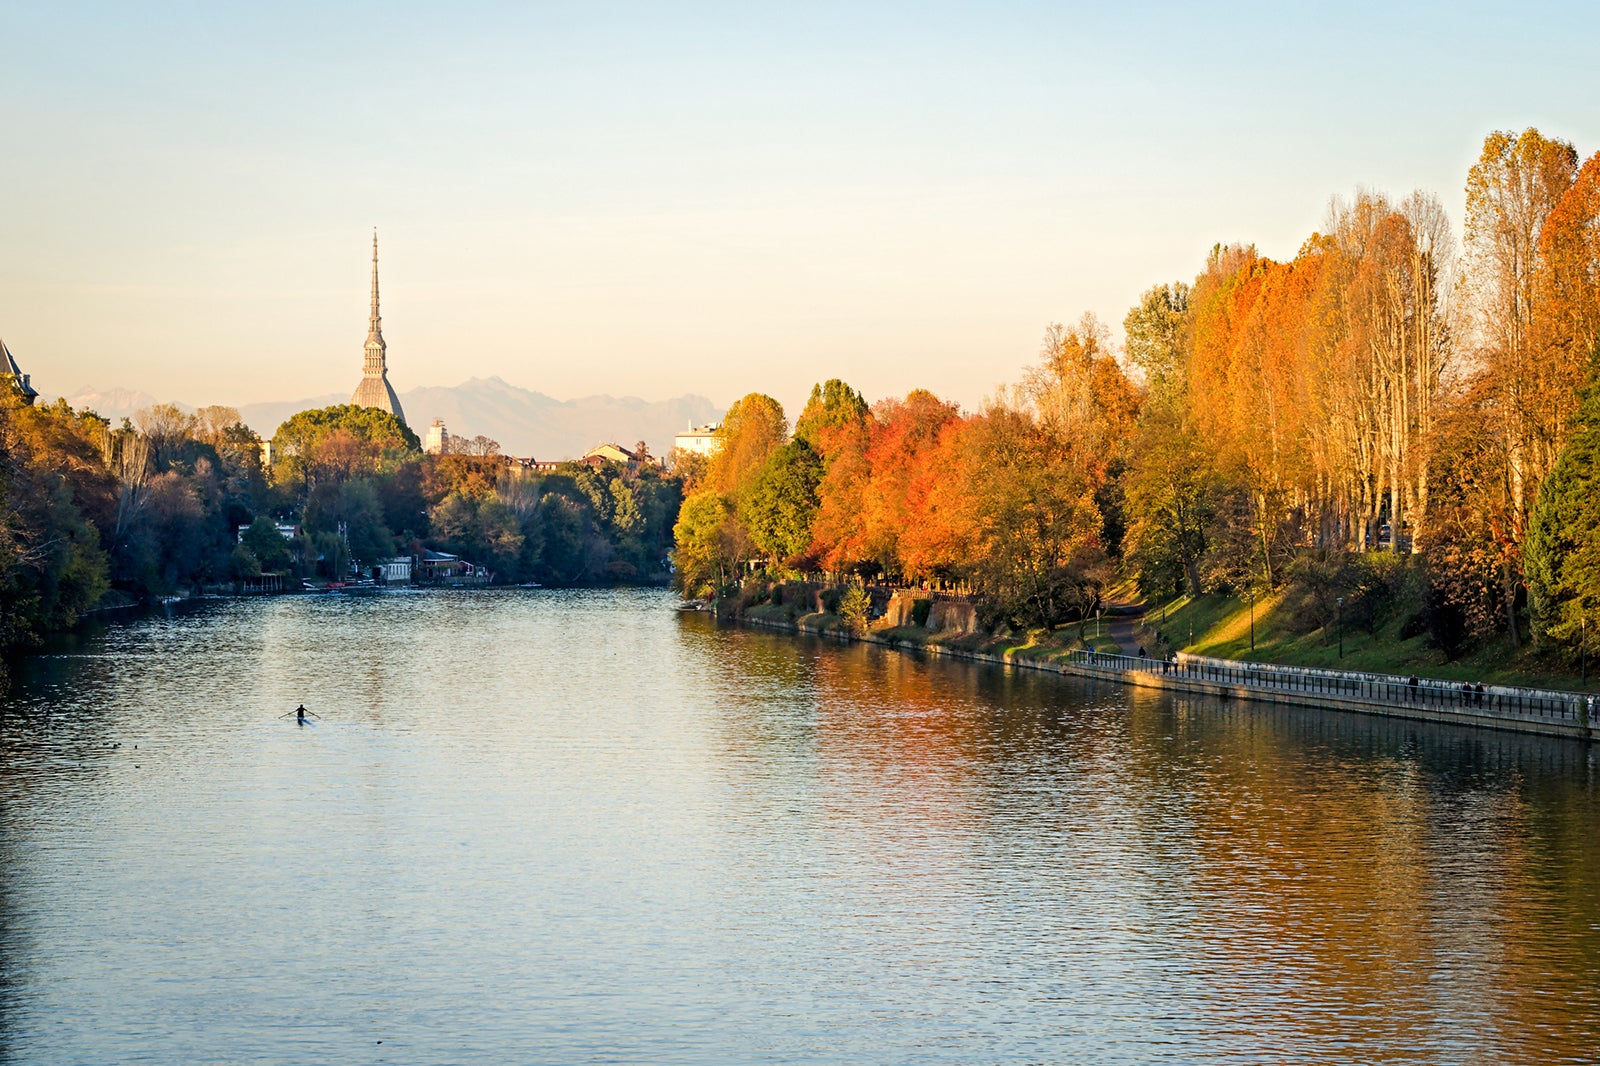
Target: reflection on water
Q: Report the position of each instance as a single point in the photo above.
(538, 826)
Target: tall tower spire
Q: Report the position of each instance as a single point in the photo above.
(375, 390)
(375, 329)
(376, 350)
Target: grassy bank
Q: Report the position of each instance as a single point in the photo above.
(1220, 625)
(1387, 641)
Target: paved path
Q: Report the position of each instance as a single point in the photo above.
(1122, 624)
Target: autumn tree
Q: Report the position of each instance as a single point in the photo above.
(901, 441)
(1512, 189)
(338, 443)
(833, 405)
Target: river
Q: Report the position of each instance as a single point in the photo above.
(539, 826)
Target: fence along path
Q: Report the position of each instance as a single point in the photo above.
(1526, 709)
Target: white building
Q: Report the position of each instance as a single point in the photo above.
(396, 571)
(434, 443)
(700, 440)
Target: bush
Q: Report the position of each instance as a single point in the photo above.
(920, 609)
(853, 608)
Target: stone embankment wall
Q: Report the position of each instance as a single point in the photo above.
(1572, 721)
(946, 614)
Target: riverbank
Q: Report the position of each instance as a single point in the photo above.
(1500, 707)
(1231, 627)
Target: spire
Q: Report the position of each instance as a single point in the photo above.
(374, 389)
(375, 328)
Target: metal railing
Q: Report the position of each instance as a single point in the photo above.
(1383, 689)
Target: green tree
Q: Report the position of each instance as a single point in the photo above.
(1155, 331)
(780, 504)
(1168, 498)
(566, 532)
(853, 608)
(705, 557)
(1561, 555)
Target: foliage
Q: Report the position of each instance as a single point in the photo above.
(338, 443)
(1562, 550)
(779, 505)
(705, 555)
(833, 406)
(853, 608)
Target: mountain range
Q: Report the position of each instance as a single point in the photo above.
(524, 422)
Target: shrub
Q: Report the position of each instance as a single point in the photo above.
(853, 608)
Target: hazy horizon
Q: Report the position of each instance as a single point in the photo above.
(708, 201)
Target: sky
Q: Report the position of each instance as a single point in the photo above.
(655, 199)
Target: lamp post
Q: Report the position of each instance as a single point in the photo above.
(1252, 594)
(1583, 647)
(1339, 624)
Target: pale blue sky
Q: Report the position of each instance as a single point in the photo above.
(709, 198)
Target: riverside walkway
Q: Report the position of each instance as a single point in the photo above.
(1521, 710)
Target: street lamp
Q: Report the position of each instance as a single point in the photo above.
(1583, 645)
(1339, 624)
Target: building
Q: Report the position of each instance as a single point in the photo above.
(610, 453)
(443, 568)
(396, 571)
(699, 440)
(438, 438)
(375, 390)
(11, 374)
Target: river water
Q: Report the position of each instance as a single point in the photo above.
(536, 826)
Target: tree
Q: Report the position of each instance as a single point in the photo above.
(267, 545)
(1562, 550)
(165, 426)
(1169, 502)
(1512, 189)
(1156, 332)
(1037, 554)
(833, 405)
(474, 446)
(853, 608)
(340, 442)
(751, 430)
(780, 504)
(706, 555)
(903, 437)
